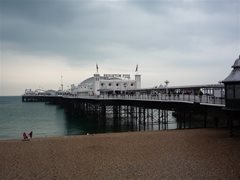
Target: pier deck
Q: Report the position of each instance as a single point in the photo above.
(187, 109)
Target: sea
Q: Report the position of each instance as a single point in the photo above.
(47, 120)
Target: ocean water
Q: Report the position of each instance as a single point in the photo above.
(43, 119)
(17, 117)
(47, 120)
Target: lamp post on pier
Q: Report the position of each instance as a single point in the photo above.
(166, 82)
(125, 89)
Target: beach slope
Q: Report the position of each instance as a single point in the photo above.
(173, 154)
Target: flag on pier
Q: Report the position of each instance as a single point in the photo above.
(136, 68)
(97, 67)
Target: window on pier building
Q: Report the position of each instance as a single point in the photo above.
(237, 91)
(230, 91)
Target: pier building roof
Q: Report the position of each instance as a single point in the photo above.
(236, 63)
(91, 80)
(234, 76)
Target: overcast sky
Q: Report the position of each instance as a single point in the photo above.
(187, 42)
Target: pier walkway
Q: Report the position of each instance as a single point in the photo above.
(211, 94)
(184, 98)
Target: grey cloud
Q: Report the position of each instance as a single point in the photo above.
(62, 27)
(167, 6)
(78, 29)
(57, 12)
(219, 6)
(157, 6)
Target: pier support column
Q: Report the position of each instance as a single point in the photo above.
(180, 119)
(167, 119)
(119, 112)
(162, 118)
(216, 121)
(144, 118)
(205, 118)
(103, 112)
(231, 125)
(139, 118)
(127, 113)
(136, 117)
(115, 116)
(159, 119)
(184, 120)
(132, 117)
(190, 120)
(152, 118)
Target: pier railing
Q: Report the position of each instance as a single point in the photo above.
(203, 99)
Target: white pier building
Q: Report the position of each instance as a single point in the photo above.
(107, 84)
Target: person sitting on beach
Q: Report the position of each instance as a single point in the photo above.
(25, 137)
(30, 134)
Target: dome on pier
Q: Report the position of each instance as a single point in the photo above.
(89, 81)
(236, 63)
(234, 76)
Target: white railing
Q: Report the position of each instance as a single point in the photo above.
(203, 99)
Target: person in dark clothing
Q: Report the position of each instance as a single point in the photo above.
(30, 134)
(25, 137)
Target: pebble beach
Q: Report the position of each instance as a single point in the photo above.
(171, 154)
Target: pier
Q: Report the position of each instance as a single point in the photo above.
(123, 99)
(149, 109)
